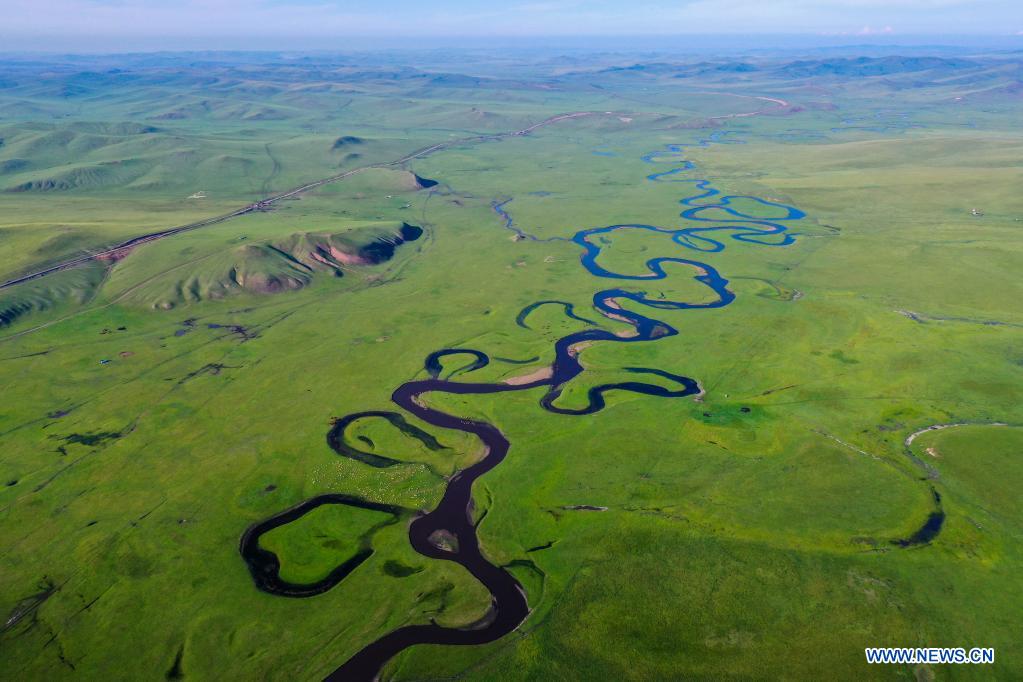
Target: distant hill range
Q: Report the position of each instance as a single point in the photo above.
(849, 67)
(872, 66)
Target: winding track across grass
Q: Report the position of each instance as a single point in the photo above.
(267, 202)
(123, 247)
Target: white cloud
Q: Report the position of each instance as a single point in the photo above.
(871, 31)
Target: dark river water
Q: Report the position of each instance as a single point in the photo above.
(710, 219)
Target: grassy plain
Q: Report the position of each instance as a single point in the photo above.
(749, 535)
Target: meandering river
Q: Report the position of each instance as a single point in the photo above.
(710, 219)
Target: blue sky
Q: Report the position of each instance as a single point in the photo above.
(199, 23)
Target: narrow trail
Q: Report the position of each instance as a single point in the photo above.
(267, 202)
(781, 104)
(939, 427)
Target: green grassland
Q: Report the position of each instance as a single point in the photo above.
(155, 406)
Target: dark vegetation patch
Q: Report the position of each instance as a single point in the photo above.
(13, 165)
(12, 311)
(778, 390)
(186, 326)
(843, 358)
(27, 607)
(91, 440)
(437, 600)
(241, 331)
(397, 569)
(211, 369)
(176, 672)
(512, 361)
(346, 141)
(27, 355)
